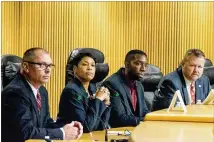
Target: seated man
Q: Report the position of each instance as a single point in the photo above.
(187, 78)
(127, 93)
(25, 110)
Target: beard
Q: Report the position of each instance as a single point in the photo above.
(134, 76)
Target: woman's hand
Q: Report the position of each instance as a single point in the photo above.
(103, 95)
(107, 99)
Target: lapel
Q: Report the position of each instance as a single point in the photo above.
(80, 90)
(128, 93)
(198, 90)
(125, 87)
(184, 92)
(32, 97)
(139, 98)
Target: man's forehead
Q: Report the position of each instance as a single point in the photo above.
(139, 57)
(193, 58)
(42, 56)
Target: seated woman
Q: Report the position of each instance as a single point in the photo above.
(80, 101)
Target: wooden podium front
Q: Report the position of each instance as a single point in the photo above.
(164, 131)
(196, 125)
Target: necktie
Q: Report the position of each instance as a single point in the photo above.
(38, 99)
(192, 93)
(133, 97)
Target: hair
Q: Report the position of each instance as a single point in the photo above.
(79, 57)
(131, 54)
(30, 53)
(195, 52)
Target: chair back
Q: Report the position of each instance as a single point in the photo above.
(209, 72)
(102, 69)
(10, 65)
(150, 82)
(208, 63)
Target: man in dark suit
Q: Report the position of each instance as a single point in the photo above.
(25, 110)
(127, 93)
(187, 78)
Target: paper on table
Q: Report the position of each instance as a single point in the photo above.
(210, 98)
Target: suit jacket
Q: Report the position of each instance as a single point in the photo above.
(122, 113)
(175, 81)
(20, 117)
(76, 106)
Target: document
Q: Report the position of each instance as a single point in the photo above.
(210, 98)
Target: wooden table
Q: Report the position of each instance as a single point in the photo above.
(195, 113)
(163, 131)
(94, 136)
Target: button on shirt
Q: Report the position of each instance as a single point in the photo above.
(188, 83)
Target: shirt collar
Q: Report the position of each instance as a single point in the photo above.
(188, 82)
(35, 91)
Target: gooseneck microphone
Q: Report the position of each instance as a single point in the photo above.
(79, 99)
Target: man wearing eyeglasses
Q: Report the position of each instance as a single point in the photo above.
(127, 93)
(25, 109)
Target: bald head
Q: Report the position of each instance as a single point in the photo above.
(30, 54)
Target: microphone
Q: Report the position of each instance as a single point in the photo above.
(116, 94)
(106, 127)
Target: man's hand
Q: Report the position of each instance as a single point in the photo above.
(72, 130)
(80, 128)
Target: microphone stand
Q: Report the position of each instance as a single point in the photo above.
(106, 134)
(105, 127)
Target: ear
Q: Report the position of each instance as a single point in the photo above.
(126, 64)
(25, 67)
(74, 69)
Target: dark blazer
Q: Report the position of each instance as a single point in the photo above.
(122, 113)
(20, 117)
(76, 106)
(175, 81)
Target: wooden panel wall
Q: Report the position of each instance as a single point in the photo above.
(10, 27)
(164, 30)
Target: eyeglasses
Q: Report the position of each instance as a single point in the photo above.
(42, 66)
